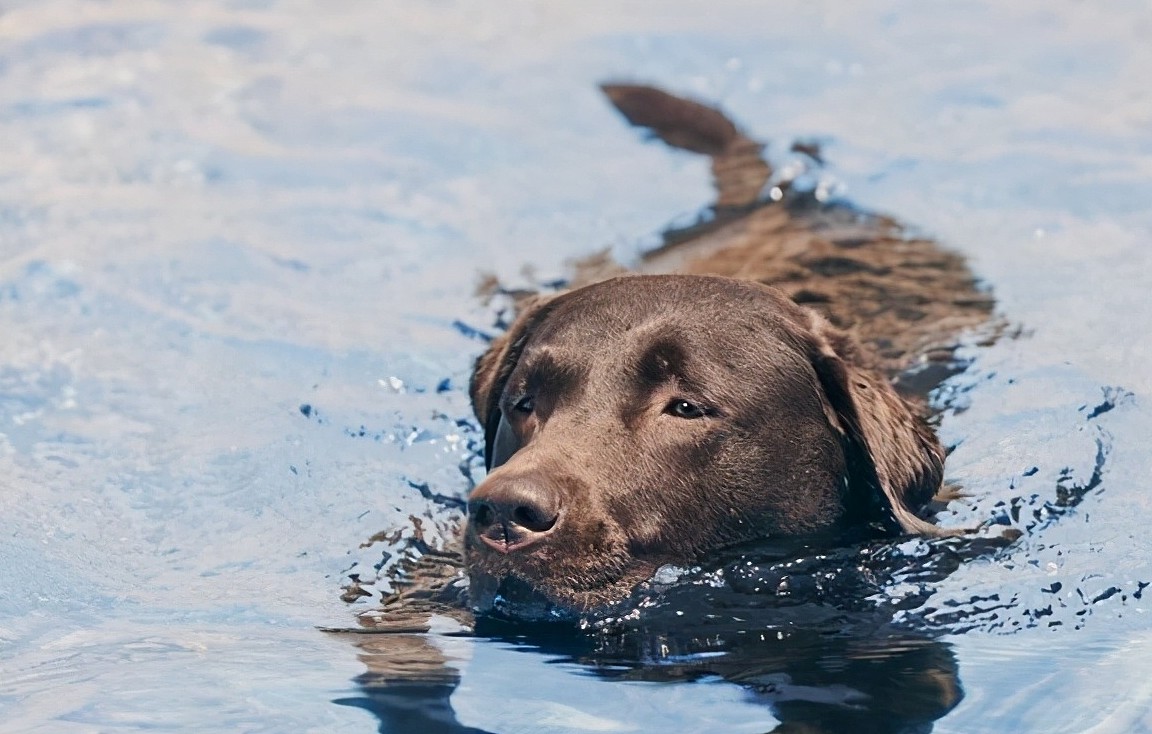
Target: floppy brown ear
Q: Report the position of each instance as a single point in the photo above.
(495, 365)
(895, 461)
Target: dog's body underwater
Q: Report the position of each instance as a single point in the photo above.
(741, 382)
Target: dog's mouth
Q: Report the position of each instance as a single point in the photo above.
(513, 598)
(549, 591)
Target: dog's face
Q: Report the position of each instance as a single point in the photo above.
(649, 419)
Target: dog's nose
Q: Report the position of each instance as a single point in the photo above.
(509, 514)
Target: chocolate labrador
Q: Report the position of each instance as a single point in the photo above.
(739, 383)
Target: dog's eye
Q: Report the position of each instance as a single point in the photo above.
(524, 405)
(684, 409)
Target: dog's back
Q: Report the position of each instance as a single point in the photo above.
(905, 298)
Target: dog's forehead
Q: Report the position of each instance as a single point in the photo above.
(707, 309)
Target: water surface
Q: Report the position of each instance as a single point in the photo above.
(213, 214)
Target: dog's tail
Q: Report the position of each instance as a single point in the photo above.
(738, 166)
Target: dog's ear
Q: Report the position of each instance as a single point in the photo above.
(895, 461)
(491, 372)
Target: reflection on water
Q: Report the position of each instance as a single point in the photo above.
(797, 680)
(409, 684)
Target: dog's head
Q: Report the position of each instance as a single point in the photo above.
(648, 419)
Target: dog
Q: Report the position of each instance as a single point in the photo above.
(759, 377)
(756, 377)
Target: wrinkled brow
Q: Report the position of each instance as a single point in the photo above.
(546, 374)
(664, 360)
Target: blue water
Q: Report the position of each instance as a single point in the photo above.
(214, 213)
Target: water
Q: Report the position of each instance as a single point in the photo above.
(213, 214)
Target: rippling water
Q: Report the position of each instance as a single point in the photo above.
(238, 243)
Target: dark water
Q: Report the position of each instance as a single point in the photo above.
(214, 213)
